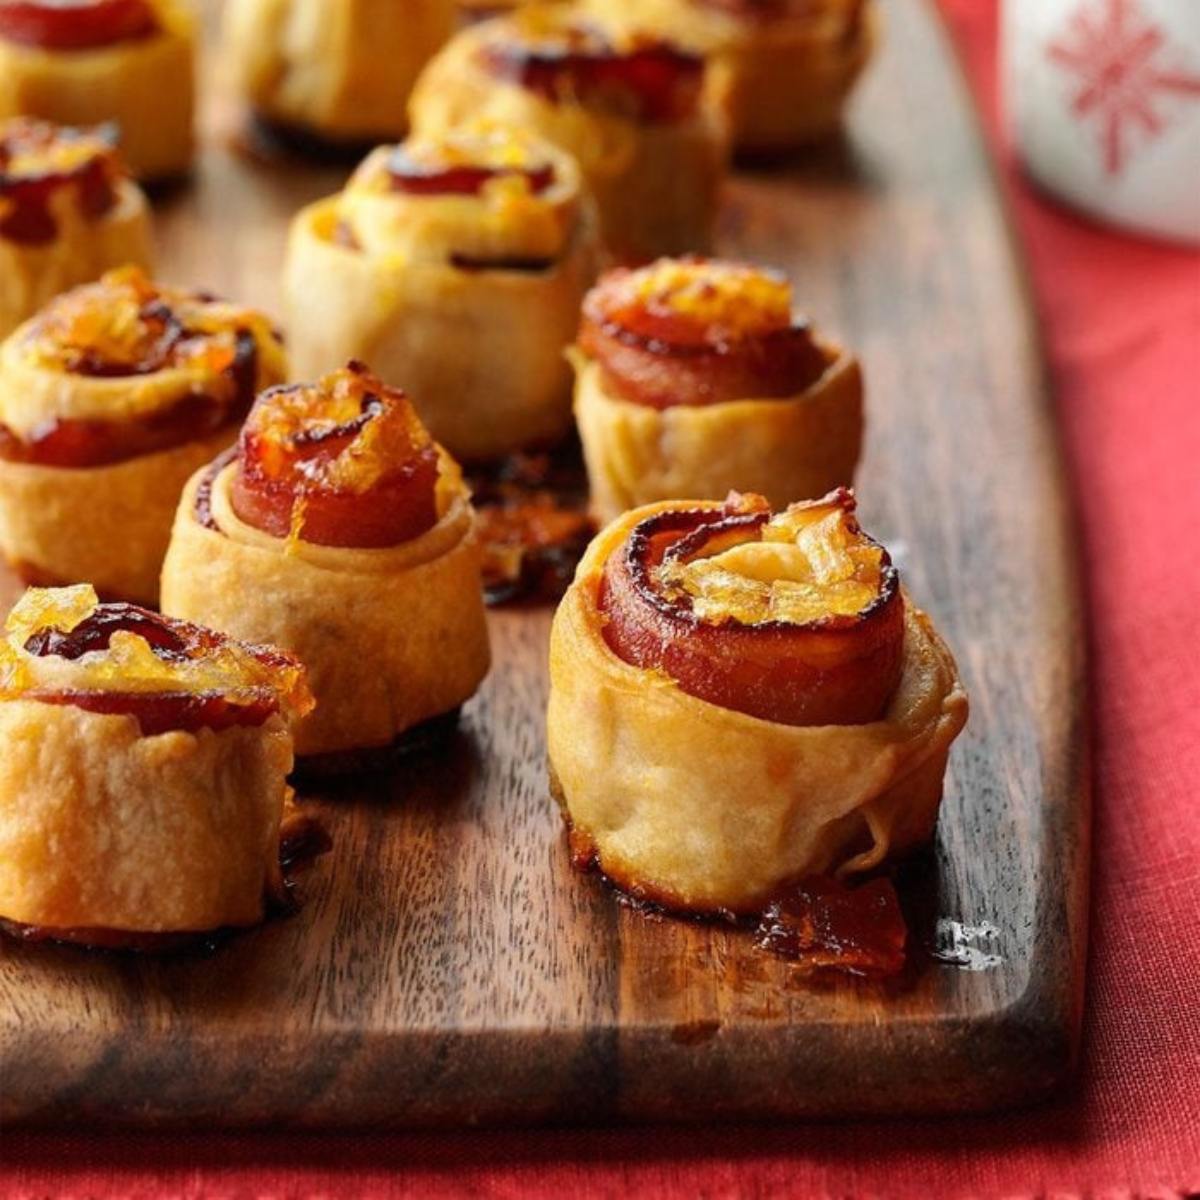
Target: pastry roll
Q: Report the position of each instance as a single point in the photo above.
(739, 698)
(693, 378)
(455, 265)
(339, 69)
(629, 110)
(340, 531)
(125, 61)
(781, 69)
(109, 399)
(68, 213)
(144, 771)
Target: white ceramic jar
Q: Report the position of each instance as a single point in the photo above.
(1103, 101)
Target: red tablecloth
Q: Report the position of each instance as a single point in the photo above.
(1122, 320)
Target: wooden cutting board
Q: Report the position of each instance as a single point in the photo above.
(449, 967)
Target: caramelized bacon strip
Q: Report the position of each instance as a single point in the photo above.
(694, 332)
(38, 160)
(420, 178)
(172, 641)
(75, 24)
(570, 62)
(838, 668)
(343, 462)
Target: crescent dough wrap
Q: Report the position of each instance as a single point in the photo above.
(342, 68)
(145, 85)
(656, 186)
(481, 351)
(703, 808)
(412, 611)
(108, 525)
(31, 275)
(101, 827)
(786, 449)
(782, 82)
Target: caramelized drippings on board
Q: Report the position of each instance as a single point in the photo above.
(75, 24)
(567, 61)
(39, 160)
(533, 524)
(824, 925)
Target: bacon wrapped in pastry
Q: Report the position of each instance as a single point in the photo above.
(109, 399)
(694, 378)
(781, 69)
(630, 110)
(68, 213)
(339, 69)
(455, 265)
(90, 61)
(144, 771)
(740, 698)
(342, 532)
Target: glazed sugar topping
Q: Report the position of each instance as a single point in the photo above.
(806, 564)
(64, 642)
(127, 325)
(731, 300)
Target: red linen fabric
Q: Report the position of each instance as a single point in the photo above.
(1122, 322)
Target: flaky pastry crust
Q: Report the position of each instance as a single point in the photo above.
(411, 614)
(656, 186)
(702, 808)
(145, 85)
(342, 69)
(782, 81)
(787, 448)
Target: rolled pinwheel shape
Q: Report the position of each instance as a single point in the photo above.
(68, 213)
(341, 70)
(455, 265)
(143, 779)
(740, 698)
(339, 530)
(125, 61)
(781, 69)
(109, 399)
(631, 110)
(694, 378)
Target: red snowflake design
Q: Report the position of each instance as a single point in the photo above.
(1115, 54)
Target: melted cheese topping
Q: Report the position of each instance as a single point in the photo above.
(809, 562)
(35, 148)
(129, 664)
(732, 299)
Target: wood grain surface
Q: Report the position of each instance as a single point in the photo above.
(449, 967)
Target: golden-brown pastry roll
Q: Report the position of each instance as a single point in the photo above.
(782, 70)
(68, 213)
(339, 69)
(342, 532)
(144, 772)
(739, 698)
(455, 265)
(630, 110)
(694, 378)
(109, 399)
(125, 61)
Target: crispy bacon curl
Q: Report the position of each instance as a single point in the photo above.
(343, 462)
(839, 669)
(75, 24)
(172, 641)
(571, 62)
(39, 160)
(655, 351)
(420, 178)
